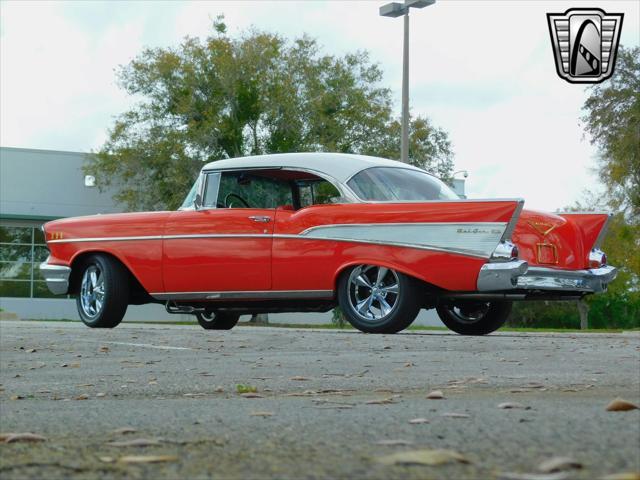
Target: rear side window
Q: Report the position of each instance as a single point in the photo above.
(389, 184)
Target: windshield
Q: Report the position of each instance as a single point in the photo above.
(191, 196)
(389, 184)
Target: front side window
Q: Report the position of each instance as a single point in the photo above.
(189, 201)
(245, 190)
(393, 184)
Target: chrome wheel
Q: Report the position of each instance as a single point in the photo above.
(92, 291)
(469, 312)
(373, 292)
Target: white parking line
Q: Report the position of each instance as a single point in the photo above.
(102, 342)
(143, 345)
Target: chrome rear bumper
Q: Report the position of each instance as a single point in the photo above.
(589, 281)
(57, 277)
(517, 275)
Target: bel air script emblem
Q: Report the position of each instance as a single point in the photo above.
(585, 43)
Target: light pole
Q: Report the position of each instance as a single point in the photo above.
(396, 9)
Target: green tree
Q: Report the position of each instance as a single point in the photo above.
(612, 119)
(225, 97)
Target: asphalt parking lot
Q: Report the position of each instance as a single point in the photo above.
(328, 404)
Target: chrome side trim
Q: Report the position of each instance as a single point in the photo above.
(245, 295)
(471, 238)
(57, 277)
(338, 225)
(500, 276)
(277, 236)
(589, 281)
(108, 239)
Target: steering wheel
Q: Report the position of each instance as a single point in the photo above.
(229, 204)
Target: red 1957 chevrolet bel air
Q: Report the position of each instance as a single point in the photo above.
(309, 231)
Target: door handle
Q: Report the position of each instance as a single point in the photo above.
(260, 218)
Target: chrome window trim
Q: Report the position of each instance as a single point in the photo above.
(345, 190)
(245, 295)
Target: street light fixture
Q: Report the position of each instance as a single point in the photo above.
(393, 10)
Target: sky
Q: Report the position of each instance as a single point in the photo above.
(483, 71)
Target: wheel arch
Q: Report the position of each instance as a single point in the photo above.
(137, 293)
(398, 268)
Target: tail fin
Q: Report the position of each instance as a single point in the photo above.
(592, 225)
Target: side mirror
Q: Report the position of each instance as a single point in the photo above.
(197, 202)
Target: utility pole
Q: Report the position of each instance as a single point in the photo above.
(393, 10)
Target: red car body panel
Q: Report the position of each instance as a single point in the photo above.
(250, 259)
(558, 240)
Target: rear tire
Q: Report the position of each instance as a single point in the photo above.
(376, 299)
(474, 318)
(217, 320)
(103, 292)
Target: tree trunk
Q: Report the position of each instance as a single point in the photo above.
(259, 318)
(583, 310)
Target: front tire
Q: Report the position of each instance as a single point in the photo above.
(103, 294)
(217, 320)
(377, 299)
(474, 318)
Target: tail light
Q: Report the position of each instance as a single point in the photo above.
(504, 252)
(597, 259)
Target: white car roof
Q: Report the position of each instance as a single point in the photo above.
(340, 166)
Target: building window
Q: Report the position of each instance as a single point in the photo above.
(22, 249)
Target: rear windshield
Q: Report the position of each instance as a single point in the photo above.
(388, 184)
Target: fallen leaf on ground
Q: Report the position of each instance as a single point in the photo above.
(381, 401)
(138, 442)
(84, 396)
(124, 430)
(512, 405)
(416, 421)
(621, 405)
(557, 464)
(622, 476)
(246, 388)
(251, 395)
(533, 476)
(298, 378)
(435, 395)
(104, 349)
(147, 458)
(261, 414)
(455, 415)
(393, 443)
(423, 457)
(21, 437)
